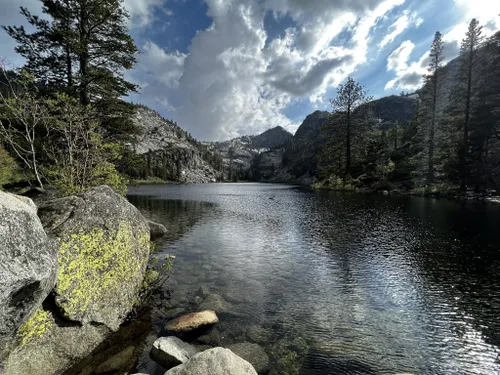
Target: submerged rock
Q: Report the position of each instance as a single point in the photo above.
(171, 351)
(116, 362)
(156, 230)
(216, 303)
(218, 361)
(28, 265)
(192, 322)
(254, 354)
(258, 334)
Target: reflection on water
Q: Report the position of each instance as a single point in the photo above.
(351, 284)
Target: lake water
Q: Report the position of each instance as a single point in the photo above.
(332, 283)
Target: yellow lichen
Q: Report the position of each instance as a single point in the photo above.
(95, 264)
(36, 326)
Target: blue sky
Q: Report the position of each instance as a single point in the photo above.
(224, 68)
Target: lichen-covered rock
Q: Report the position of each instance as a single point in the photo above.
(28, 265)
(218, 361)
(252, 353)
(103, 245)
(192, 322)
(171, 351)
(102, 242)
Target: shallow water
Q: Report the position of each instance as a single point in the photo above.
(352, 284)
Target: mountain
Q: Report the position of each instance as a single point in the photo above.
(238, 154)
(166, 151)
(299, 156)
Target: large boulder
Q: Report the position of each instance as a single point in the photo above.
(103, 244)
(218, 361)
(253, 353)
(103, 248)
(170, 351)
(194, 322)
(28, 265)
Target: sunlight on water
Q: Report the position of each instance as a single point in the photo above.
(353, 284)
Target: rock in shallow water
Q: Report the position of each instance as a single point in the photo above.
(192, 322)
(217, 361)
(116, 362)
(171, 351)
(156, 230)
(254, 354)
(216, 303)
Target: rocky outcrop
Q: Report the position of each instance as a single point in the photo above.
(102, 243)
(28, 265)
(169, 152)
(218, 361)
(170, 351)
(193, 322)
(254, 354)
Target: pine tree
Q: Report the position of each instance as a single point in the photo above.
(485, 120)
(83, 51)
(349, 97)
(468, 56)
(431, 99)
(86, 42)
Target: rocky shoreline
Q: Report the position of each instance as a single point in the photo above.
(73, 272)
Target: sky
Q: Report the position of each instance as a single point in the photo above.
(226, 68)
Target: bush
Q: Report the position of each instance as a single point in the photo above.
(9, 170)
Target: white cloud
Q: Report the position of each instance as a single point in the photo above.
(234, 82)
(401, 24)
(142, 12)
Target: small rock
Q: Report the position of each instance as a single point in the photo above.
(385, 192)
(198, 300)
(218, 361)
(203, 291)
(156, 230)
(116, 362)
(207, 267)
(254, 354)
(212, 338)
(192, 322)
(216, 303)
(171, 351)
(258, 334)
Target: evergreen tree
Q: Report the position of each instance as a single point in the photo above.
(485, 120)
(350, 96)
(468, 55)
(431, 99)
(83, 51)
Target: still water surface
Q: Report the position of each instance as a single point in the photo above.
(332, 283)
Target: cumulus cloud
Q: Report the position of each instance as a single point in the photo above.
(142, 12)
(234, 81)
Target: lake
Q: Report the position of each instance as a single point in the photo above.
(336, 283)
